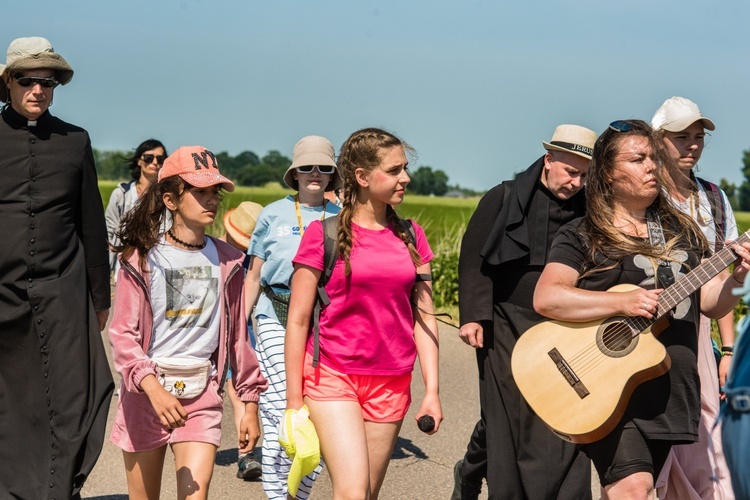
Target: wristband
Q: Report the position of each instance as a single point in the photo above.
(727, 353)
(727, 348)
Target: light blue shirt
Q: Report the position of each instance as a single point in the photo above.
(275, 240)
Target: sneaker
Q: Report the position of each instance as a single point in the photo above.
(463, 490)
(248, 468)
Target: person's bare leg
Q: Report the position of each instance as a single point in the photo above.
(194, 466)
(381, 438)
(343, 444)
(143, 473)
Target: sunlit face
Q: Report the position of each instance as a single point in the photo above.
(30, 102)
(387, 183)
(151, 169)
(634, 180)
(196, 208)
(313, 183)
(564, 173)
(686, 147)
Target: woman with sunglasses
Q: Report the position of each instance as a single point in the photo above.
(144, 167)
(370, 332)
(632, 234)
(274, 242)
(698, 470)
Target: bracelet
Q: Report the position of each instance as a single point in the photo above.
(727, 353)
(727, 348)
(741, 283)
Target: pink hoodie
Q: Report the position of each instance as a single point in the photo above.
(133, 319)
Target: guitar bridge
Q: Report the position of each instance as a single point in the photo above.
(568, 373)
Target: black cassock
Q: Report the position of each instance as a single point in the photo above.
(55, 382)
(503, 253)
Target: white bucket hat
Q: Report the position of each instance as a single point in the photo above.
(677, 114)
(34, 53)
(313, 150)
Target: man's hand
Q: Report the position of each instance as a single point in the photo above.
(472, 334)
(101, 317)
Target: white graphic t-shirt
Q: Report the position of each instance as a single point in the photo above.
(185, 288)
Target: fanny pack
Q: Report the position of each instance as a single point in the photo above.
(181, 380)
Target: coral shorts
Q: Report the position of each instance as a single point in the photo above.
(137, 428)
(383, 398)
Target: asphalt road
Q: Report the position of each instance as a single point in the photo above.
(421, 466)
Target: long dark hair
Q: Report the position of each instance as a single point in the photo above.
(598, 227)
(147, 145)
(364, 149)
(139, 229)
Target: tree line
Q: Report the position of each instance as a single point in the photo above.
(248, 169)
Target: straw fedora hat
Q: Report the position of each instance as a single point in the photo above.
(239, 222)
(572, 139)
(34, 53)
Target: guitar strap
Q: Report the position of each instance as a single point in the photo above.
(664, 276)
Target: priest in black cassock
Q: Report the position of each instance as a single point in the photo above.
(503, 252)
(55, 383)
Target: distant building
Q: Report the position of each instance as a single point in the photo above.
(454, 193)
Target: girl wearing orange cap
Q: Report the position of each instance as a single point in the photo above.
(177, 328)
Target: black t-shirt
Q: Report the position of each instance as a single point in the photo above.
(667, 407)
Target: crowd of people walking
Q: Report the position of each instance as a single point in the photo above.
(311, 312)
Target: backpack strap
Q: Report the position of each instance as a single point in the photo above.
(718, 211)
(330, 255)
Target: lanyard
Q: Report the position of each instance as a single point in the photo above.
(299, 214)
(664, 275)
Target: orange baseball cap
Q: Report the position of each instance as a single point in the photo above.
(195, 165)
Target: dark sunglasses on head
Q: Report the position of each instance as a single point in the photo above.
(621, 126)
(30, 81)
(323, 169)
(150, 158)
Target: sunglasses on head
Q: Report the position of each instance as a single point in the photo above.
(30, 81)
(150, 158)
(323, 169)
(621, 126)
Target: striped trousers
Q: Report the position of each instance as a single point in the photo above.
(272, 403)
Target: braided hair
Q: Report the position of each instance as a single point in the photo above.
(365, 149)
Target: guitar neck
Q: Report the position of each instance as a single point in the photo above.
(688, 284)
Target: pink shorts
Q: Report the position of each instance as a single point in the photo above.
(383, 398)
(137, 428)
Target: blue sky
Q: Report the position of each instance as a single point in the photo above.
(473, 86)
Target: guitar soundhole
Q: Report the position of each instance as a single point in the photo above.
(615, 338)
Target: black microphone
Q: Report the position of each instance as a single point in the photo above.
(426, 423)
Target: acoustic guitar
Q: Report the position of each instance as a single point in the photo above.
(578, 377)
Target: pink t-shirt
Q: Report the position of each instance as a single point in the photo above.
(368, 328)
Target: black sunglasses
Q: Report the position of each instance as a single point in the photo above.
(621, 126)
(323, 169)
(150, 158)
(30, 81)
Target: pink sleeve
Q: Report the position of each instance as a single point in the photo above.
(423, 247)
(310, 251)
(248, 380)
(126, 333)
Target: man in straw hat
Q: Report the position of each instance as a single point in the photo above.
(54, 286)
(503, 253)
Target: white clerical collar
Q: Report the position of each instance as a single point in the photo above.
(31, 123)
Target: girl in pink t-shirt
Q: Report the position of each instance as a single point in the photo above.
(370, 334)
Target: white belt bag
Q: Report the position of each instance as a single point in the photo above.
(183, 381)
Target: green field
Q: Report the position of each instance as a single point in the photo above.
(442, 218)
